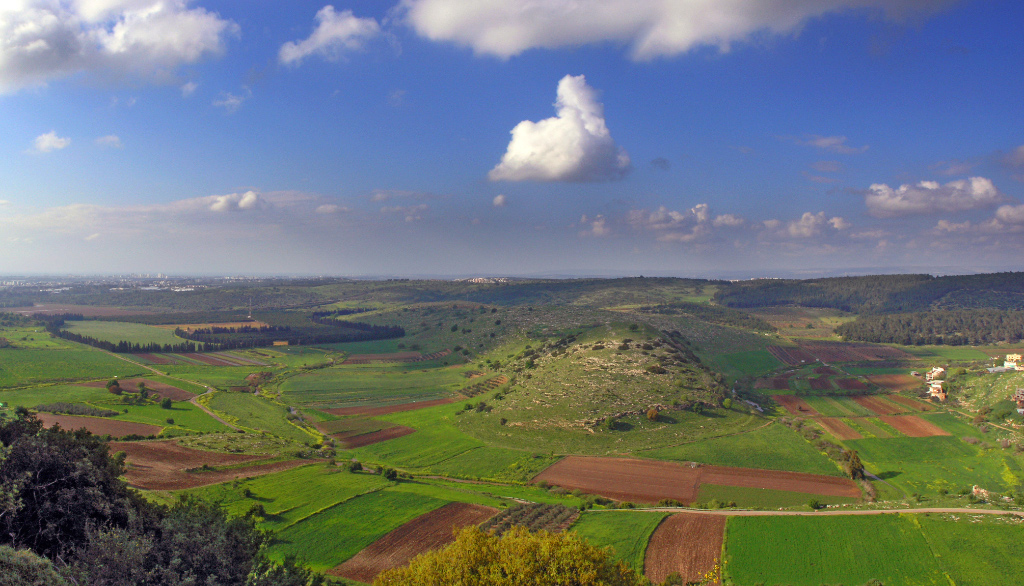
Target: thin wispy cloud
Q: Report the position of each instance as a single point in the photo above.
(336, 33)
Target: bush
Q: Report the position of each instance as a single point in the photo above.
(652, 414)
(166, 404)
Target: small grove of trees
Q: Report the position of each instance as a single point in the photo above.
(516, 557)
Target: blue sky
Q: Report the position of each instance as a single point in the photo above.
(440, 137)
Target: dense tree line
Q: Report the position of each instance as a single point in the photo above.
(317, 315)
(953, 328)
(54, 323)
(881, 293)
(61, 499)
(342, 331)
(713, 314)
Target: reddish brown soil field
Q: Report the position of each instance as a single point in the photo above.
(375, 411)
(238, 359)
(649, 481)
(791, 356)
(130, 385)
(879, 406)
(394, 357)
(851, 384)
(689, 544)
(846, 352)
(428, 532)
(839, 428)
(159, 359)
(375, 437)
(796, 405)
(896, 382)
(914, 426)
(161, 465)
(820, 383)
(912, 403)
(825, 370)
(208, 359)
(85, 310)
(99, 425)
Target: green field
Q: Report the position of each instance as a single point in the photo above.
(32, 396)
(23, 367)
(327, 538)
(976, 551)
(625, 532)
(186, 416)
(946, 352)
(772, 447)
(370, 385)
(810, 551)
(249, 411)
(763, 498)
(750, 363)
(837, 406)
(117, 331)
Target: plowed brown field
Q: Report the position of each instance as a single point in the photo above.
(689, 544)
(791, 356)
(162, 465)
(375, 437)
(851, 384)
(839, 428)
(796, 405)
(375, 411)
(912, 403)
(820, 383)
(896, 382)
(847, 352)
(163, 389)
(99, 425)
(428, 532)
(208, 359)
(914, 426)
(650, 481)
(879, 406)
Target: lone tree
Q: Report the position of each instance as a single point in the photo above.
(516, 557)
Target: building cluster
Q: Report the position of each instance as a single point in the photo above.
(935, 382)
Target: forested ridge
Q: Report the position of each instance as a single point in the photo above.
(950, 327)
(881, 293)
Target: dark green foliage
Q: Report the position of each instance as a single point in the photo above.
(954, 328)
(166, 404)
(76, 409)
(24, 568)
(715, 314)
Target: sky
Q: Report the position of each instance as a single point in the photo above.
(709, 138)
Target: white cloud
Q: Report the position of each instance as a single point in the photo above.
(92, 237)
(335, 33)
(411, 213)
(189, 88)
(330, 208)
(231, 102)
(1010, 214)
(499, 201)
(728, 220)
(839, 223)
(43, 40)
(928, 197)
(4, 202)
(45, 143)
(651, 28)
(574, 146)
(809, 225)
(1015, 161)
(596, 227)
(110, 140)
(835, 144)
(675, 226)
(952, 227)
(234, 202)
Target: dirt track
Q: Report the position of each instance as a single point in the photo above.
(649, 481)
(914, 426)
(689, 544)
(428, 532)
(99, 425)
(162, 465)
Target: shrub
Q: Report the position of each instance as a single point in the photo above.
(166, 404)
(170, 421)
(652, 414)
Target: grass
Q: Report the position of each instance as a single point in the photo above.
(222, 377)
(249, 411)
(370, 385)
(626, 533)
(33, 396)
(946, 352)
(24, 367)
(764, 498)
(186, 416)
(809, 551)
(292, 495)
(329, 537)
(976, 552)
(117, 331)
(837, 406)
(774, 447)
(751, 363)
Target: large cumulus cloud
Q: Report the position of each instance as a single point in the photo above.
(928, 197)
(42, 40)
(573, 146)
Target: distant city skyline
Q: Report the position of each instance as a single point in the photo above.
(496, 138)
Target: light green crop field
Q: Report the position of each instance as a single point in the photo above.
(837, 406)
(626, 533)
(985, 390)
(186, 416)
(371, 347)
(247, 410)
(750, 363)
(22, 367)
(292, 495)
(763, 498)
(34, 338)
(370, 385)
(117, 331)
(810, 551)
(221, 377)
(327, 538)
(511, 491)
(772, 447)
(976, 551)
(946, 352)
(33, 396)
